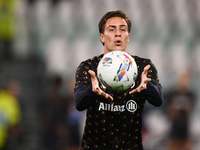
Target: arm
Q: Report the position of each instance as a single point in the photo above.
(86, 88)
(153, 93)
(83, 97)
(150, 87)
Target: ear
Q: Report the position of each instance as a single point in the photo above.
(102, 37)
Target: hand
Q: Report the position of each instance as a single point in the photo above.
(144, 81)
(96, 88)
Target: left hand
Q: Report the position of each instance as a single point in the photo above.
(95, 86)
(144, 81)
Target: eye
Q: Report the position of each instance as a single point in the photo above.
(111, 30)
(123, 30)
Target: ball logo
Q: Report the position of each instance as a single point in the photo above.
(123, 68)
(107, 60)
(131, 106)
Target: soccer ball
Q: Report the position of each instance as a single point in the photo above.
(117, 71)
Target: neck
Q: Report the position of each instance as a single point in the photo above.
(107, 51)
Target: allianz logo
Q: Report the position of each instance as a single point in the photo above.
(131, 106)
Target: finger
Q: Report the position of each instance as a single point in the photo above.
(92, 73)
(106, 95)
(133, 91)
(139, 90)
(96, 89)
(144, 86)
(146, 68)
(109, 97)
(148, 79)
(100, 92)
(97, 92)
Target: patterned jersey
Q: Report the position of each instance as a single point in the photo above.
(115, 124)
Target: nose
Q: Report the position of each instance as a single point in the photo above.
(118, 33)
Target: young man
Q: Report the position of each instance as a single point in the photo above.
(109, 123)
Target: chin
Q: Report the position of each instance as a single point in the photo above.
(119, 49)
(116, 49)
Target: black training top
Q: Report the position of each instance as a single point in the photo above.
(114, 124)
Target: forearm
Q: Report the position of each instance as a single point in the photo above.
(83, 97)
(153, 94)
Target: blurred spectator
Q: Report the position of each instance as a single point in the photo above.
(55, 127)
(8, 9)
(61, 119)
(10, 116)
(74, 119)
(179, 107)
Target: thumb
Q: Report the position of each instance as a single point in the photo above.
(92, 73)
(147, 67)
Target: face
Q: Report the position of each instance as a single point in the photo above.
(115, 35)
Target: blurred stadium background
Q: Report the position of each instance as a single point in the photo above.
(43, 42)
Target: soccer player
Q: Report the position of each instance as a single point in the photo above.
(114, 119)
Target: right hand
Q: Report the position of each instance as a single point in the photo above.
(96, 88)
(144, 81)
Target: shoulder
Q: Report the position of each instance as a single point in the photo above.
(89, 64)
(82, 75)
(141, 63)
(92, 61)
(141, 60)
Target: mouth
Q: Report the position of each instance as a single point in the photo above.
(118, 42)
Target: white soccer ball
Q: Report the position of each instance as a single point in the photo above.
(117, 71)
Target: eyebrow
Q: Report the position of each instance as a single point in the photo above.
(113, 26)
